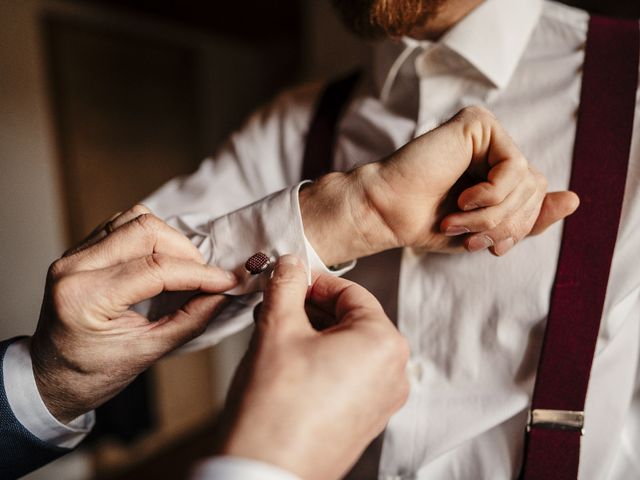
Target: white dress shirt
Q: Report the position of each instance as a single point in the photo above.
(475, 322)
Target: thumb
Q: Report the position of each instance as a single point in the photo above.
(556, 206)
(187, 322)
(285, 293)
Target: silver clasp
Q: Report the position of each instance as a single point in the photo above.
(556, 419)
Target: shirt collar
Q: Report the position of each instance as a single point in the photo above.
(492, 38)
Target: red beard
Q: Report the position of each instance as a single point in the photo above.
(379, 18)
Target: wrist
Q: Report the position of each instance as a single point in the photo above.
(55, 399)
(339, 219)
(57, 385)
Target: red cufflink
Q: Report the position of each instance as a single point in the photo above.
(257, 263)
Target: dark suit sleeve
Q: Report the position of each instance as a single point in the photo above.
(20, 451)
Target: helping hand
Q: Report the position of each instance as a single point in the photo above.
(88, 344)
(310, 401)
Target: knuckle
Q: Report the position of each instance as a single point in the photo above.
(155, 263)
(64, 292)
(477, 112)
(57, 269)
(511, 228)
(527, 187)
(488, 223)
(521, 162)
(196, 325)
(491, 195)
(394, 347)
(531, 183)
(149, 225)
(148, 222)
(139, 209)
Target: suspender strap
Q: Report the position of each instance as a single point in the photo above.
(600, 159)
(321, 139)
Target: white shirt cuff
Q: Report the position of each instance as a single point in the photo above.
(235, 468)
(28, 407)
(272, 226)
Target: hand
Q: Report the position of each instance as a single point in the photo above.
(88, 344)
(464, 184)
(309, 401)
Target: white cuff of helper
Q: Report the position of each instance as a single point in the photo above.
(272, 226)
(235, 468)
(27, 405)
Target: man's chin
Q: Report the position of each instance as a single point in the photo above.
(384, 18)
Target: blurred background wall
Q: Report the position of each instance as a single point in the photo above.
(103, 101)
(100, 103)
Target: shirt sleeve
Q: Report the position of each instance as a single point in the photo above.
(272, 226)
(234, 468)
(28, 407)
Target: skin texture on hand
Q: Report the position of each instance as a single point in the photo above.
(88, 344)
(310, 401)
(463, 185)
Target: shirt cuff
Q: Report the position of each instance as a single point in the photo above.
(272, 226)
(27, 405)
(235, 468)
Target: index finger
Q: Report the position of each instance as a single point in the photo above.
(146, 277)
(501, 181)
(142, 236)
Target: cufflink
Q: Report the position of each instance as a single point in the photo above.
(257, 263)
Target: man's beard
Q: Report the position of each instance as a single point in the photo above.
(378, 18)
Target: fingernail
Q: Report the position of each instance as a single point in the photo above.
(470, 206)
(454, 230)
(479, 242)
(503, 246)
(289, 260)
(231, 276)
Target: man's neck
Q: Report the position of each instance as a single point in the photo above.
(450, 13)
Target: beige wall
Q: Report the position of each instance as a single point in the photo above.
(31, 232)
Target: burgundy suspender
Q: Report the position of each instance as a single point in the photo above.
(600, 159)
(321, 139)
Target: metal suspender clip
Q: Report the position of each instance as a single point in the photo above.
(556, 420)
